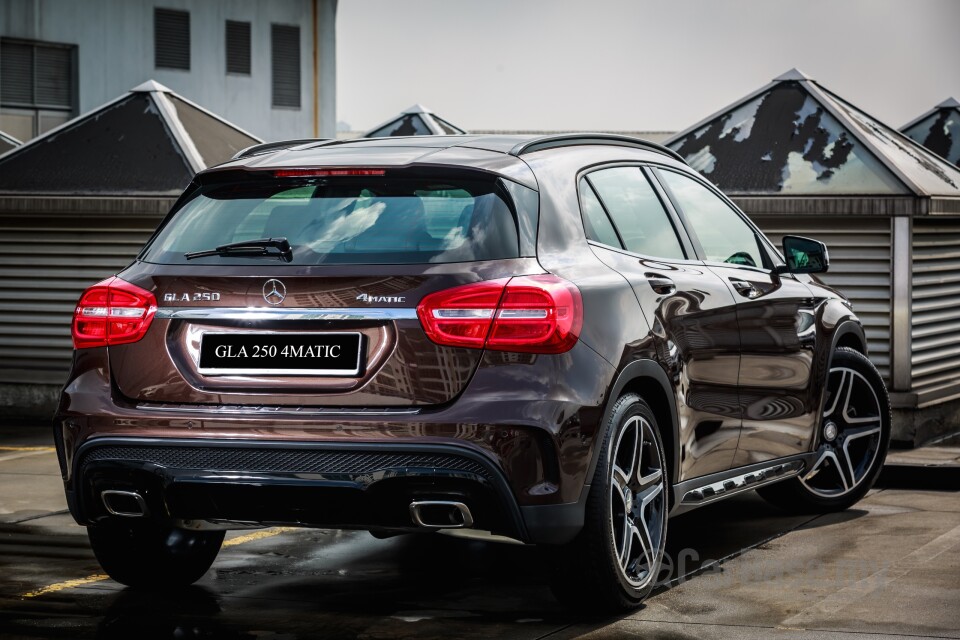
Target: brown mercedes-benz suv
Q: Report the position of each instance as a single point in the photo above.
(562, 340)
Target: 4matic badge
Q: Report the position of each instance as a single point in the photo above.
(363, 297)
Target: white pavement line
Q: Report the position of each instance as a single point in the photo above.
(835, 602)
(23, 454)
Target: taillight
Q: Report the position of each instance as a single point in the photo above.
(112, 312)
(532, 314)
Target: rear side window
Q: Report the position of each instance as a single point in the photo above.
(349, 220)
(596, 223)
(637, 212)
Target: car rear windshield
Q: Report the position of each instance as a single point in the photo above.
(345, 220)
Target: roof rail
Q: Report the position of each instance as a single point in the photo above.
(267, 147)
(570, 139)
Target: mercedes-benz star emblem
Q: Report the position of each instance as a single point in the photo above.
(273, 291)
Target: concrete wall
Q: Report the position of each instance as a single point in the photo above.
(115, 52)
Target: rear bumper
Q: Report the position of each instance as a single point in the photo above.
(527, 428)
(356, 486)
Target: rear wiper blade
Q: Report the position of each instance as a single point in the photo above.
(271, 247)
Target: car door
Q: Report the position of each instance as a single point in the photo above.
(692, 314)
(775, 314)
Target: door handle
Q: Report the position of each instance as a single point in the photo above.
(746, 289)
(663, 286)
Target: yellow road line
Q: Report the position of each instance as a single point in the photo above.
(99, 577)
(256, 535)
(27, 449)
(68, 584)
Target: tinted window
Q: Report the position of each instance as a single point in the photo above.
(637, 212)
(723, 234)
(346, 220)
(595, 221)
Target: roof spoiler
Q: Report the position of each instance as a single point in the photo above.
(267, 147)
(572, 139)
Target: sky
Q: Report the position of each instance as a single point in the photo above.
(641, 65)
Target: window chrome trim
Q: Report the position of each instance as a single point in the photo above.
(263, 313)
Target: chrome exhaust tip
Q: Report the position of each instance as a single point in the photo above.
(127, 504)
(440, 514)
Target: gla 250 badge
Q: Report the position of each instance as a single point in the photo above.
(196, 297)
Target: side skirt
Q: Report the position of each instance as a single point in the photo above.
(697, 492)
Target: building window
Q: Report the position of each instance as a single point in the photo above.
(238, 47)
(37, 87)
(285, 45)
(171, 39)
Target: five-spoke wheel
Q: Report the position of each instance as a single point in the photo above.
(637, 502)
(851, 442)
(614, 562)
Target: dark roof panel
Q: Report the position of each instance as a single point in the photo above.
(939, 130)
(125, 149)
(793, 137)
(7, 143)
(148, 142)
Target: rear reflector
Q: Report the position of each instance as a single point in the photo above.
(322, 173)
(530, 314)
(112, 312)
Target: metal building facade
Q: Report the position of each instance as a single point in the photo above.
(113, 46)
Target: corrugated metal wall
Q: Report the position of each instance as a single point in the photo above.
(859, 267)
(45, 263)
(935, 331)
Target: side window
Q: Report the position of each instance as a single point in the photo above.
(637, 212)
(723, 234)
(595, 220)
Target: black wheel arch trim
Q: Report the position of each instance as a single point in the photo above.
(845, 328)
(633, 371)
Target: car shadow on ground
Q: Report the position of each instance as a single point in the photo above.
(347, 584)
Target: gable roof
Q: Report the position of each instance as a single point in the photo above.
(794, 137)
(417, 120)
(938, 130)
(149, 142)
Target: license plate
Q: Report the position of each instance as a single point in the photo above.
(281, 354)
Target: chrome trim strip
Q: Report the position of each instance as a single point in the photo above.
(264, 313)
(273, 410)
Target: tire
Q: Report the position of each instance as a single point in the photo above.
(848, 463)
(589, 571)
(144, 554)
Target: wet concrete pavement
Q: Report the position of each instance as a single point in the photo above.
(889, 567)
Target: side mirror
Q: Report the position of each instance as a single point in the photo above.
(804, 255)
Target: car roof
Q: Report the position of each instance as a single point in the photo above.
(501, 154)
(515, 145)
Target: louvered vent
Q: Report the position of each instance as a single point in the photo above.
(935, 357)
(285, 45)
(171, 39)
(16, 73)
(859, 268)
(238, 47)
(53, 87)
(46, 264)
